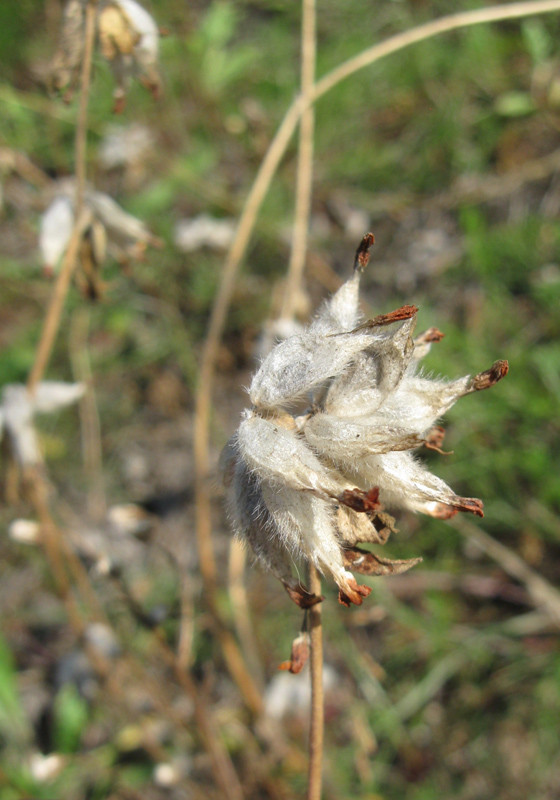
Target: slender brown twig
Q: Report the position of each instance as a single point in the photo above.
(241, 612)
(52, 319)
(81, 129)
(304, 180)
(543, 593)
(82, 217)
(317, 724)
(89, 416)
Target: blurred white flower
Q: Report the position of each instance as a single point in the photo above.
(45, 768)
(18, 409)
(290, 695)
(55, 231)
(203, 231)
(24, 531)
(125, 146)
(310, 485)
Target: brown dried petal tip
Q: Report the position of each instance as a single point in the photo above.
(301, 596)
(434, 440)
(362, 253)
(471, 504)
(484, 380)
(431, 336)
(354, 593)
(359, 500)
(402, 313)
(366, 563)
(298, 656)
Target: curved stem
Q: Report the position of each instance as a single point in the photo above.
(317, 724)
(452, 22)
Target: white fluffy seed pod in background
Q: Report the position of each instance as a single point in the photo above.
(18, 409)
(312, 486)
(54, 232)
(110, 228)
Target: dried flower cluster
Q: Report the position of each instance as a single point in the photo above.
(107, 227)
(310, 485)
(128, 39)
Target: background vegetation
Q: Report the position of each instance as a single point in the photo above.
(446, 683)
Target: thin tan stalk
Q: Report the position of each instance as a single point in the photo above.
(81, 129)
(50, 540)
(54, 312)
(304, 180)
(92, 451)
(244, 230)
(452, 22)
(60, 290)
(186, 625)
(210, 349)
(241, 611)
(317, 724)
(543, 593)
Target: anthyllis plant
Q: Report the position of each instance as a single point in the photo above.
(314, 485)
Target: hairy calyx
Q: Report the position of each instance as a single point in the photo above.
(313, 486)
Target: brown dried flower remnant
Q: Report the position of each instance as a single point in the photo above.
(128, 39)
(299, 655)
(310, 485)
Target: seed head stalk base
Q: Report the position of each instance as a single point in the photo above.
(317, 724)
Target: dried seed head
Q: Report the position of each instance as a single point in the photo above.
(313, 486)
(128, 39)
(110, 229)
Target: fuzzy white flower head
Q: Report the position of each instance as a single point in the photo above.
(310, 486)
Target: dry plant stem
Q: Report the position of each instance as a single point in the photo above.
(304, 181)
(50, 539)
(316, 729)
(60, 290)
(56, 304)
(242, 237)
(81, 129)
(541, 591)
(92, 452)
(244, 625)
(186, 628)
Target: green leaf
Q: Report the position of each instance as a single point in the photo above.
(70, 718)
